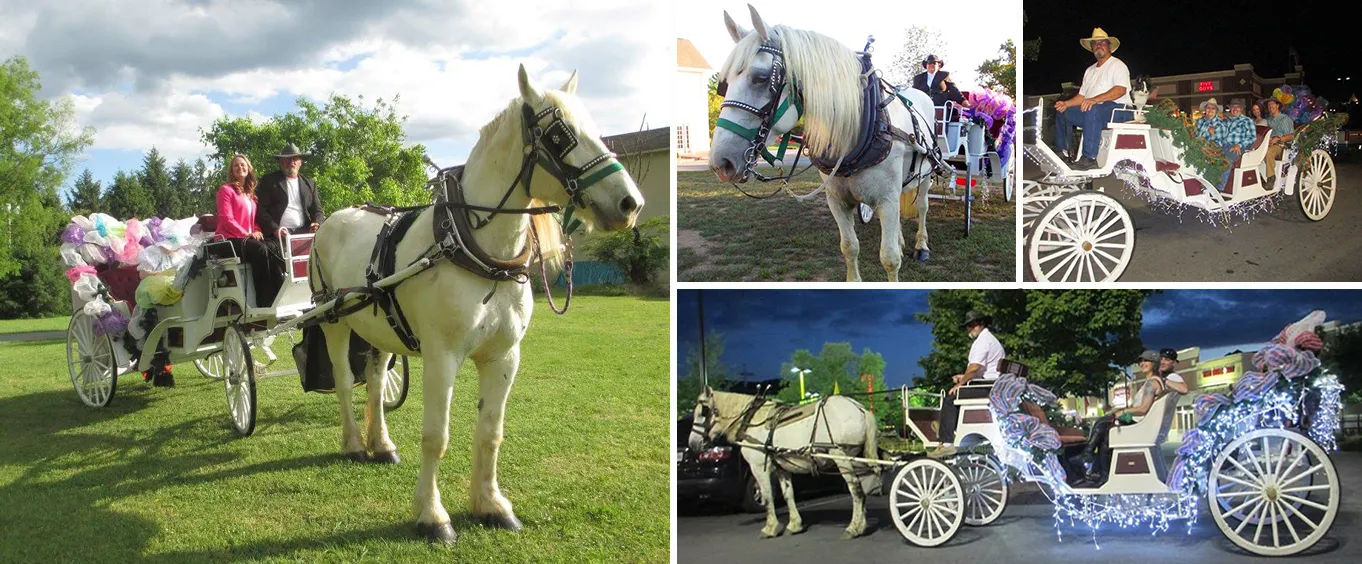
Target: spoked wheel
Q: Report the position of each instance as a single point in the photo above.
(1267, 476)
(395, 384)
(91, 361)
(239, 378)
(1081, 237)
(1036, 197)
(927, 502)
(985, 490)
(1009, 185)
(1317, 185)
(210, 366)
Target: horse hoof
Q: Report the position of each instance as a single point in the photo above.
(922, 255)
(795, 530)
(389, 457)
(357, 456)
(848, 535)
(442, 533)
(508, 522)
(767, 535)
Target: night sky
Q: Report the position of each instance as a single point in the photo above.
(762, 328)
(1193, 37)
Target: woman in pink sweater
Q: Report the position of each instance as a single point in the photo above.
(236, 202)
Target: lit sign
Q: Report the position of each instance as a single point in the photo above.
(1205, 86)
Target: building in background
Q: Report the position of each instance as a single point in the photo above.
(691, 100)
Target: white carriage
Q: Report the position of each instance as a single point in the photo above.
(214, 326)
(1073, 233)
(1270, 479)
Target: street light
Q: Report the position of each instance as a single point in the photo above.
(801, 372)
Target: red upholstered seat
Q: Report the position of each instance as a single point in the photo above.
(1166, 166)
(1264, 132)
(926, 420)
(208, 223)
(1067, 435)
(122, 282)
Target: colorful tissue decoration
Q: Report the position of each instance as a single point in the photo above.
(999, 115)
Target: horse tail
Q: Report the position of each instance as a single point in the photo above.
(872, 431)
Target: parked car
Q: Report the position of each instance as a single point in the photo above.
(719, 474)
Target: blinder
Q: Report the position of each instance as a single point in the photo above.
(769, 114)
(551, 145)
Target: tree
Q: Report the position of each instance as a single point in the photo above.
(358, 154)
(203, 192)
(1074, 341)
(156, 180)
(127, 198)
(38, 144)
(640, 252)
(918, 42)
(1030, 47)
(1000, 74)
(182, 186)
(86, 195)
(1342, 356)
(715, 101)
(688, 386)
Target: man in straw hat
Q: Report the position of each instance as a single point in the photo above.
(984, 356)
(286, 200)
(1105, 84)
(1210, 126)
(936, 82)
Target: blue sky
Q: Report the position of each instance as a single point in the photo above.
(147, 73)
(762, 328)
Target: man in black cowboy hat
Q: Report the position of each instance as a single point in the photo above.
(984, 356)
(285, 200)
(936, 82)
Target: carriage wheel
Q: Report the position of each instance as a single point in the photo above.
(927, 502)
(210, 366)
(239, 378)
(1318, 183)
(1270, 492)
(1009, 185)
(395, 385)
(985, 490)
(91, 361)
(1036, 197)
(1081, 237)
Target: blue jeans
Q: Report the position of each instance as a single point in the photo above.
(1092, 121)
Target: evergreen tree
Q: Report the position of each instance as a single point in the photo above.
(156, 181)
(182, 187)
(86, 195)
(127, 198)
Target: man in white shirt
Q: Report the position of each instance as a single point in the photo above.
(1105, 84)
(984, 356)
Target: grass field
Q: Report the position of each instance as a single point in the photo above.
(159, 475)
(725, 236)
(33, 325)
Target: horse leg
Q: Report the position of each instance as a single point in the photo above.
(920, 246)
(796, 523)
(338, 348)
(760, 465)
(377, 427)
(437, 383)
(857, 526)
(891, 237)
(495, 377)
(846, 225)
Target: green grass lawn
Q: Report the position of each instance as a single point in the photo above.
(32, 325)
(725, 236)
(159, 474)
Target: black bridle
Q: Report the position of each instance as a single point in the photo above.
(768, 115)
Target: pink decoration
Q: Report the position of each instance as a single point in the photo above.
(74, 274)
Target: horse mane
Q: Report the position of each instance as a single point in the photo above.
(828, 75)
(545, 226)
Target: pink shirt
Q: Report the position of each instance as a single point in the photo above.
(236, 213)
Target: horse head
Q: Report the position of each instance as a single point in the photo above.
(702, 425)
(757, 102)
(581, 170)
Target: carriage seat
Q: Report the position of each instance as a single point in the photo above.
(207, 224)
(1067, 435)
(925, 420)
(121, 281)
(1256, 153)
(1150, 430)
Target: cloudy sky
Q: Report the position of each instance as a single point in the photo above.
(149, 73)
(762, 328)
(971, 35)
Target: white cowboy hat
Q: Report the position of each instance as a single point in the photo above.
(1097, 35)
(1210, 102)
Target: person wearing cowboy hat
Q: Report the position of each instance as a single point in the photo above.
(936, 82)
(285, 200)
(984, 356)
(1210, 126)
(1105, 84)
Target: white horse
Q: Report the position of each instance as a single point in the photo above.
(837, 425)
(456, 314)
(828, 77)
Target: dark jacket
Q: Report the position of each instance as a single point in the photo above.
(939, 98)
(272, 200)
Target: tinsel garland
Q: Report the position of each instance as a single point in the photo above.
(1326, 402)
(1136, 179)
(1204, 156)
(1319, 132)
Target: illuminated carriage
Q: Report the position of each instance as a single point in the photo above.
(213, 325)
(1270, 484)
(1074, 233)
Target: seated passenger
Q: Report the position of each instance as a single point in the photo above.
(1239, 133)
(1210, 126)
(236, 217)
(1154, 387)
(1283, 130)
(1256, 112)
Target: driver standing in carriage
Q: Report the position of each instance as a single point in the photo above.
(984, 356)
(937, 83)
(286, 200)
(1105, 84)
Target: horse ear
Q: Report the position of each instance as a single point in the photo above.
(571, 85)
(734, 31)
(527, 89)
(758, 25)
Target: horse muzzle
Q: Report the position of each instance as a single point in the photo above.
(727, 170)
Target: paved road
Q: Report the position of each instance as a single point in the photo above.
(1024, 533)
(1279, 247)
